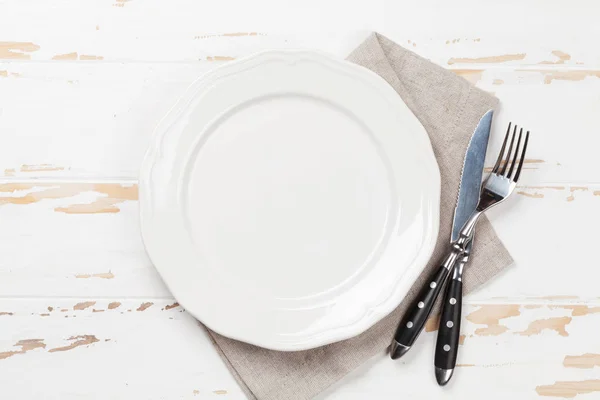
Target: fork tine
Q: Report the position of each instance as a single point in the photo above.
(514, 161)
(501, 155)
(512, 142)
(518, 173)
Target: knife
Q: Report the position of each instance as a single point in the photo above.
(414, 319)
(446, 349)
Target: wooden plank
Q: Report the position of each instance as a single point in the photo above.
(127, 30)
(87, 242)
(76, 239)
(108, 112)
(117, 348)
(149, 348)
(508, 351)
(100, 125)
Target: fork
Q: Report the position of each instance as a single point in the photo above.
(495, 189)
(499, 184)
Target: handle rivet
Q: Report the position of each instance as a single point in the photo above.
(449, 324)
(421, 304)
(453, 301)
(446, 347)
(409, 324)
(432, 285)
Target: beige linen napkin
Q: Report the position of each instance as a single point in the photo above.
(449, 108)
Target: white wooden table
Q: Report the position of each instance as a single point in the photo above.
(83, 313)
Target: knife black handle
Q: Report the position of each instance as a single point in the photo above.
(446, 348)
(416, 316)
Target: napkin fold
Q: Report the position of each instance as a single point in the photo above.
(449, 108)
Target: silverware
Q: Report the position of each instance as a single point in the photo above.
(449, 329)
(495, 189)
(450, 317)
(414, 320)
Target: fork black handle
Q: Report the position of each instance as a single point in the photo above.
(446, 349)
(415, 318)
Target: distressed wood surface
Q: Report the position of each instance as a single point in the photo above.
(83, 313)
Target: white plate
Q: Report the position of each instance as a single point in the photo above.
(289, 200)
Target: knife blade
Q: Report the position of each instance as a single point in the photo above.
(470, 181)
(414, 319)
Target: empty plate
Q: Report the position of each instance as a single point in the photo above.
(290, 199)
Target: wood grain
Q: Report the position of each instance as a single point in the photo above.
(102, 275)
(556, 324)
(488, 59)
(561, 55)
(491, 315)
(25, 345)
(108, 196)
(569, 390)
(17, 50)
(587, 361)
(81, 340)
